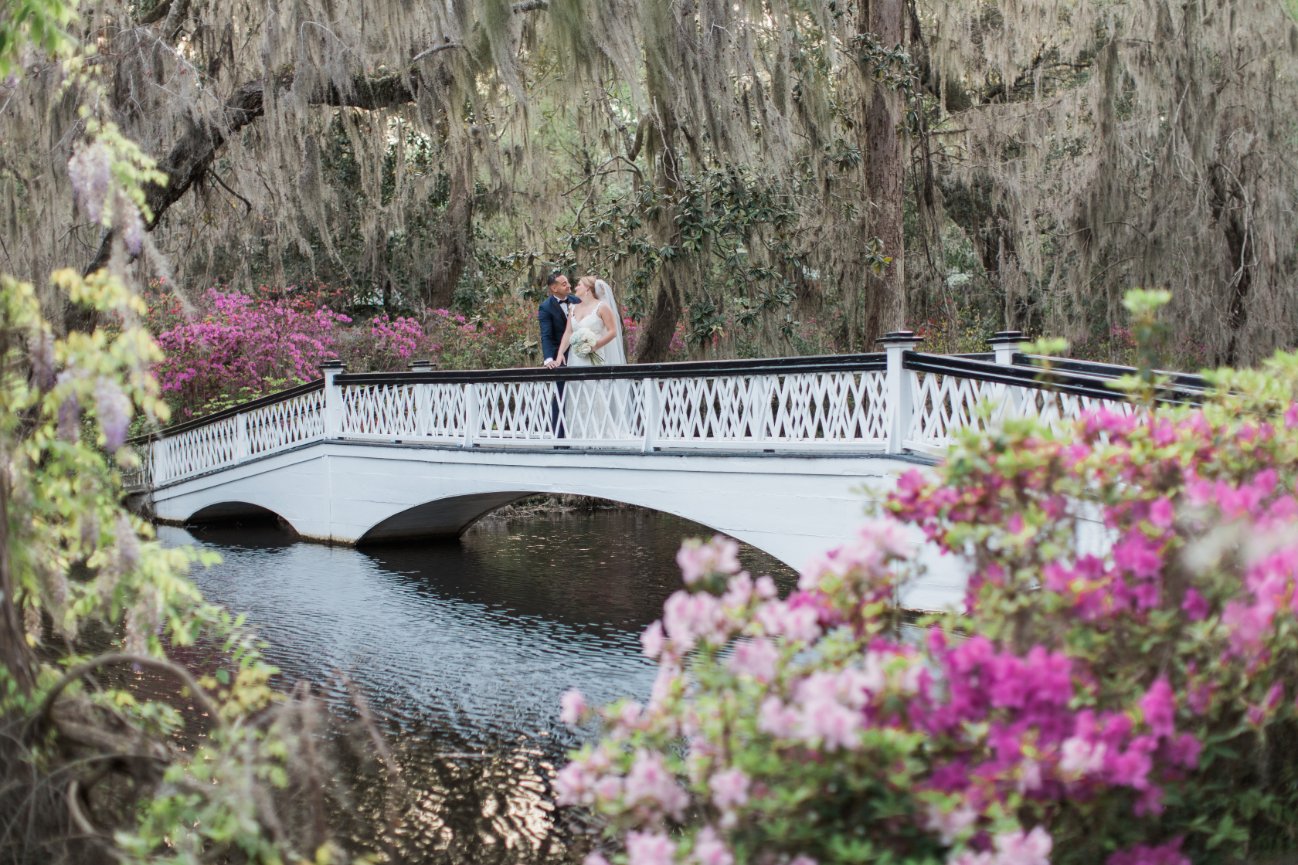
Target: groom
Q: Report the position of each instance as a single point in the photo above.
(553, 315)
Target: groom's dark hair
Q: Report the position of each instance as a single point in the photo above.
(553, 277)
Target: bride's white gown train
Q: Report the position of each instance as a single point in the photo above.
(596, 409)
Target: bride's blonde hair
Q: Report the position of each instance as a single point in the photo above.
(590, 282)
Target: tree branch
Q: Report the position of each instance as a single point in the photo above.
(190, 158)
(78, 672)
(428, 52)
(247, 205)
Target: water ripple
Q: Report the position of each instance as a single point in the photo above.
(462, 651)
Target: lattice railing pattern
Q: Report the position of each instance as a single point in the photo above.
(285, 423)
(141, 476)
(1059, 410)
(836, 407)
(442, 412)
(424, 411)
(711, 409)
(832, 408)
(515, 411)
(840, 408)
(943, 405)
(604, 412)
(231, 439)
(197, 450)
(380, 411)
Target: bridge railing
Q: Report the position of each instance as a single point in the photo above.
(796, 403)
(951, 393)
(253, 429)
(893, 401)
(1181, 387)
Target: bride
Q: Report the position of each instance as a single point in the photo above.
(597, 313)
(598, 409)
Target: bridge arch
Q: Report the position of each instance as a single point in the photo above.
(451, 516)
(220, 513)
(446, 517)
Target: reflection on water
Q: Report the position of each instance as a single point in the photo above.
(461, 652)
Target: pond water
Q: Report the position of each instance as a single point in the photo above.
(460, 652)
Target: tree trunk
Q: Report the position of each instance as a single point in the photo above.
(453, 237)
(1228, 210)
(656, 333)
(885, 292)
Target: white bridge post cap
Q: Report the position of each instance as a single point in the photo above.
(900, 337)
(1006, 344)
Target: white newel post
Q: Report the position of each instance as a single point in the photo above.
(154, 462)
(242, 449)
(1006, 344)
(763, 391)
(898, 390)
(650, 412)
(333, 399)
(471, 417)
(423, 395)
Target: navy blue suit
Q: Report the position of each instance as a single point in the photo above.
(553, 320)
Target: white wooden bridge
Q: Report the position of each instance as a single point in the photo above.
(781, 454)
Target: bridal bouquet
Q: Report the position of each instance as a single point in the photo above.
(583, 344)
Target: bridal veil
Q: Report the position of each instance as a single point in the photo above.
(614, 351)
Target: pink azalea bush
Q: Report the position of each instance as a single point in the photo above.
(234, 347)
(392, 342)
(1119, 688)
(239, 347)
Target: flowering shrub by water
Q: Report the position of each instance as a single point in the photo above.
(1118, 689)
(241, 347)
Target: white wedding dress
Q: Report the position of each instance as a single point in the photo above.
(595, 325)
(598, 409)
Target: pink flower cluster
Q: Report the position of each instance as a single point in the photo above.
(395, 340)
(1128, 645)
(243, 344)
